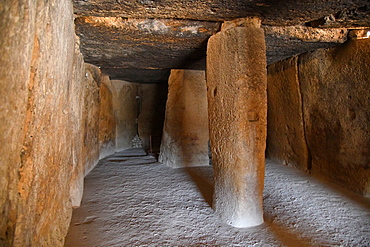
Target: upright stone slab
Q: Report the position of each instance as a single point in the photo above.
(125, 111)
(185, 133)
(286, 140)
(237, 107)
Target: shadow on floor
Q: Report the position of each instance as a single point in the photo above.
(203, 180)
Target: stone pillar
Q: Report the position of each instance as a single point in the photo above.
(237, 108)
(185, 133)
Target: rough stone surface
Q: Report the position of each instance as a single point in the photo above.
(36, 91)
(271, 12)
(236, 85)
(286, 141)
(185, 134)
(351, 17)
(90, 116)
(144, 50)
(153, 44)
(107, 121)
(286, 41)
(336, 99)
(50, 110)
(319, 114)
(14, 77)
(94, 126)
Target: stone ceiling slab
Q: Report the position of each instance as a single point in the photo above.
(143, 43)
(151, 37)
(272, 12)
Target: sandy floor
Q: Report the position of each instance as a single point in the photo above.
(134, 201)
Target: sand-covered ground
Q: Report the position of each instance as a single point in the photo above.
(131, 200)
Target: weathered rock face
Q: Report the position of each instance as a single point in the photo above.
(144, 50)
(286, 139)
(140, 41)
(130, 99)
(336, 100)
(107, 121)
(185, 134)
(272, 12)
(50, 110)
(36, 96)
(14, 78)
(333, 84)
(236, 86)
(90, 118)
(94, 126)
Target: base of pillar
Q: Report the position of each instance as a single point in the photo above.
(246, 222)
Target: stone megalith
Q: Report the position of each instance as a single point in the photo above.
(185, 133)
(237, 109)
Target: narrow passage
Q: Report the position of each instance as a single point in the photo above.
(131, 200)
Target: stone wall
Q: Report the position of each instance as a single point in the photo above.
(94, 126)
(185, 134)
(107, 121)
(319, 112)
(286, 139)
(49, 102)
(127, 97)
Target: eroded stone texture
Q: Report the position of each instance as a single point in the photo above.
(236, 82)
(90, 116)
(107, 122)
(286, 41)
(185, 133)
(319, 114)
(77, 110)
(153, 46)
(272, 12)
(14, 77)
(144, 50)
(286, 141)
(94, 126)
(37, 125)
(336, 99)
(50, 112)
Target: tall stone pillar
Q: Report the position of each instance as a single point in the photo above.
(237, 108)
(185, 133)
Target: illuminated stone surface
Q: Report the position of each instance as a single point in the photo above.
(185, 134)
(236, 87)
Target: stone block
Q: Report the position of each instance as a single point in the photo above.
(185, 133)
(286, 140)
(107, 121)
(336, 102)
(125, 112)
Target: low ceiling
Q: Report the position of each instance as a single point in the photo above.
(141, 40)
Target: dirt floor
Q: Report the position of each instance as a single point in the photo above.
(131, 200)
